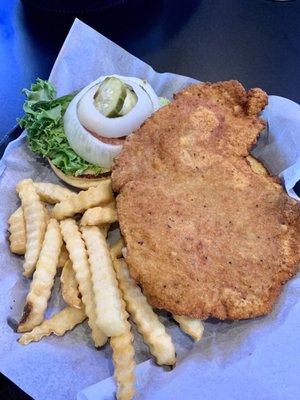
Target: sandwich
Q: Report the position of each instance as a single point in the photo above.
(81, 133)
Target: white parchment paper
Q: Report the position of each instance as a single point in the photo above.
(255, 359)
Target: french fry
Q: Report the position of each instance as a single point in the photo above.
(191, 326)
(256, 166)
(123, 358)
(148, 324)
(35, 222)
(107, 296)
(51, 193)
(48, 192)
(58, 324)
(63, 256)
(104, 229)
(43, 279)
(116, 249)
(47, 214)
(78, 256)
(124, 252)
(94, 196)
(69, 286)
(99, 215)
(17, 229)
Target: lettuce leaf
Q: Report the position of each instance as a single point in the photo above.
(163, 101)
(43, 121)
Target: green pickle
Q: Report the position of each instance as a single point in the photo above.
(129, 103)
(114, 98)
(110, 96)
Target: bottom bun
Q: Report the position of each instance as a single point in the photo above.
(80, 183)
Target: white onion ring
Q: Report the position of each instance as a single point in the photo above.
(84, 143)
(93, 120)
(148, 89)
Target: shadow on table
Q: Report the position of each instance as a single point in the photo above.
(137, 25)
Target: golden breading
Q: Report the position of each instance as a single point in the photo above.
(206, 233)
(58, 324)
(204, 124)
(35, 221)
(17, 230)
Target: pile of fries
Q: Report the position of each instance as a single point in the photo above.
(95, 281)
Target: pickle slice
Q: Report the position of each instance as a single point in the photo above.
(110, 97)
(129, 103)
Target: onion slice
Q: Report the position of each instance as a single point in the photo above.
(81, 114)
(147, 87)
(84, 143)
(93, 120)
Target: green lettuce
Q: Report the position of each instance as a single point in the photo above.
(43, 121)
(163, 101)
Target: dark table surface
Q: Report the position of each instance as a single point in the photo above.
(254, 41)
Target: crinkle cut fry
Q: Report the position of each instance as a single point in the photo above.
(78, 256)
(124, 362)
(69, 286)
(94, 196)
(191, 326)
(104, 229)
(35, 222)
(63, 256)
(47, 192)
(148, 323)
(116, 249)
(58, 324)
(43, 279)
(52, 193)
(17, 229)
(106, 292)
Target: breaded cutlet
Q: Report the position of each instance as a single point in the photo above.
(209, 233)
